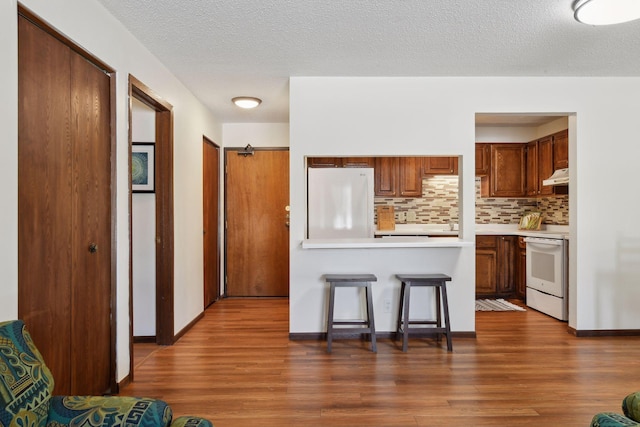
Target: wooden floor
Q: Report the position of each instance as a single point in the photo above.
(237, 367)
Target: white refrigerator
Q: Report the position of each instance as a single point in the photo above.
(340, 203)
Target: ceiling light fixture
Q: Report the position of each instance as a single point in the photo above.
(606, 12)
(246, 101)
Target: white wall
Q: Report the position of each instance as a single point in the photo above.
(256, 134)
(519, 133)
(557, 125)
(88, 24)
(505, 133)
(9, 161)
(391, 119)
(143, 233)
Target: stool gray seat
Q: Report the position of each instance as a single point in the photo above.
(438, 282)
(365, 326)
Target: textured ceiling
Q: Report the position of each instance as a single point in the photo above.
(225, 48)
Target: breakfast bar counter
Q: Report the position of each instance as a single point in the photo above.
(386, 242)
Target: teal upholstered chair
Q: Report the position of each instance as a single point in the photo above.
(26, 385)
(631, 410)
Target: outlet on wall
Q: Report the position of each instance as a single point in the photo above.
(411, 216)
(402, 216)
(387, 306)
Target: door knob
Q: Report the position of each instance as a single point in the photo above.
(93, 248)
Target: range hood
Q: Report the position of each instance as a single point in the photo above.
(559, 177)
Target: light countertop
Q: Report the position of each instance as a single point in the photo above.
(418, 230)
(386, 242)
(432, 236)
(548, 231)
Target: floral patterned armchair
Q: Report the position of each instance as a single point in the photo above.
(631, 417)
(26, 385)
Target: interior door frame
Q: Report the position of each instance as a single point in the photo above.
(206, 140)
(109, 71)
(164, 214)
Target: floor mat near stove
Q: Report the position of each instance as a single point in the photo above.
(496, 305)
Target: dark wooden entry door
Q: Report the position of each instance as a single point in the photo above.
(257, 217)
(210, 203)
(64, 205)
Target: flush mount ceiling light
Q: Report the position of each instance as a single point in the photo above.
(606, 12)
(246, 101)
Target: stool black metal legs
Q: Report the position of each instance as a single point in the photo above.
(351, 280)
(438, 281)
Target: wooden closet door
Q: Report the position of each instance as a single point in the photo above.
(91, 231)
(44, 196)
(64, 226)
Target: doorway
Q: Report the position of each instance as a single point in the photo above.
(257, 222)
(211, 220)
(164, 230)
(143, 224)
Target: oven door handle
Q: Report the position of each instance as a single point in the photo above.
(541, 241)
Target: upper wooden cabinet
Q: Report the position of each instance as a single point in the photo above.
(358, 162)
(386, 176)
(531, 175)
(340, 162)
(398, 176)
(410, 177)
(324, 162)
(440, 165)
(483, 156)
(539, 166)
(545, 164)
(517, 170)
(507, 170)
(561, 150)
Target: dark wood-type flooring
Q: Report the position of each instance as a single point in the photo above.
(237, 367)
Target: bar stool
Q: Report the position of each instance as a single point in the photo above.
(439, 282)
(351, 280)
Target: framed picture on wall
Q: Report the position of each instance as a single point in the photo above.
(143, 171)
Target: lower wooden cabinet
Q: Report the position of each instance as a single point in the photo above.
(486, 265)
(495, 266)
(521, 269)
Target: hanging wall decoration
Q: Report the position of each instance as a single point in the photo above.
(143, 167)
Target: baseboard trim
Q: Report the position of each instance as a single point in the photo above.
(189, 326)
(322, 336)
(605, 332)
(123, 383)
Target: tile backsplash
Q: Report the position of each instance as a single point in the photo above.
(439, 205)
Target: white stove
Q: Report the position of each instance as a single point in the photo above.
(547, 276)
